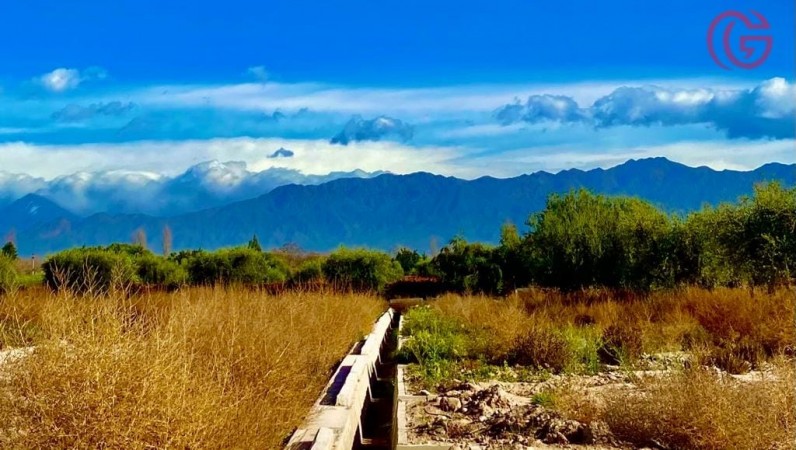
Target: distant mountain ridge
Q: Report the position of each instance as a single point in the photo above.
(204, 185)
(418, 210)
(31, 212)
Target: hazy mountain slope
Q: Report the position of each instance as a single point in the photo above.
(413, 210)
(31, 211)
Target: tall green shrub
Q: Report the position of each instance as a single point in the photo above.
(360, 269)
(153, 270)
(89, 270)
(309, 272)
(233, 266)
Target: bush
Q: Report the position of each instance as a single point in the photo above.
(157, 271)
(232, 266)
(542, 348)
(8, 274)
(251, 267)
(89, 270)
(360, 270)
(309, 272)
(622, 343)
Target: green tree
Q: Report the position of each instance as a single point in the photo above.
(254, 244)
(408, 259)
(514, 258)
(581, 239)
(9, 250)
(466, 267)
(757, 237)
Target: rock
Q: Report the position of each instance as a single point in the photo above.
(555, 437)
(424, 392)
(451, 404)
(572, 431)
(467, 387)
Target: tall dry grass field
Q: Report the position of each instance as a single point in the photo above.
(689, 406)
(734, 329)
(200, 368)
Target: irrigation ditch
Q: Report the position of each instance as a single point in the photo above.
(363, 406)
(356, 409)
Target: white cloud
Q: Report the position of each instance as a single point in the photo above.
(60, 80)
(318, 157)
(173, 157)
(764, 111)
(64, 79)
(204, 185)
(451, 100)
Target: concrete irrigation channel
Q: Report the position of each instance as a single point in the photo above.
(357, 408)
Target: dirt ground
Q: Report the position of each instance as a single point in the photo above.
(495, 415)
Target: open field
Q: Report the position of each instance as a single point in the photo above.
(199, 368)
(680, 369)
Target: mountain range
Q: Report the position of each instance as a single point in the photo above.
(204, 185)
(419, 210)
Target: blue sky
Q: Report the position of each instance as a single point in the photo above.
(458, 88)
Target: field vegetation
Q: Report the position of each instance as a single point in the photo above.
(210, 368)
(538, 334)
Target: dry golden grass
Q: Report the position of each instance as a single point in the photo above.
(200, 368)
(692, 407)
(698, 409)
(733, 328)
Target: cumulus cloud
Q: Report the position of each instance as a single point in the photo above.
(765, 111)
(78, 113)
(282, 153)
(64, 79)
(358, 129)
(541, 108)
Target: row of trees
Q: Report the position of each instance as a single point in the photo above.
(126, 266)
(579, 240)
(583, 240)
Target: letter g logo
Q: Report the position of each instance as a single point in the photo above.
(762, 24)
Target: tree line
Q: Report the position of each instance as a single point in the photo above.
(579, 240)
(583, 240)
